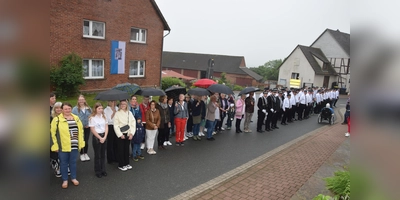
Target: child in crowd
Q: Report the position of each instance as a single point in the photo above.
(137, 140)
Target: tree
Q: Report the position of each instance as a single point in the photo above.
(167, 82)
(68, 76)
(269, 70)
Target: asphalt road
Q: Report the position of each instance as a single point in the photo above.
(177, 169)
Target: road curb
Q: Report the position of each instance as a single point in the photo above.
(213, 182)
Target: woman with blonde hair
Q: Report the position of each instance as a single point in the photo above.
(125, 128)
(99, 128)
(67, 139)
(55, 164)
(83, 111)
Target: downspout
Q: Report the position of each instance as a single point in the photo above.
(162, 49)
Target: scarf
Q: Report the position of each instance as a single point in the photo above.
(164, 105)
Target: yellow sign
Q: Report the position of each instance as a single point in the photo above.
(294, 83)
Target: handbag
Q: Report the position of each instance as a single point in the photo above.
(126, 127)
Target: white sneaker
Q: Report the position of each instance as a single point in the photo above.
(347, 134)
(205, 129)
(201, 134)
(123, 168)
(213, 133)
(169, 143)
(142, 146)
(83, 157)
(185, 138)
(87, 157)
(128, 167)
(222, 129)
(165, 143)
(153, 152)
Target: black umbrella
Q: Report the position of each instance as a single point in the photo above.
(175, 91)
(111, 95)
(199, 91)
(150, 92)
(248, 90)
(219, 88)
(128, 87)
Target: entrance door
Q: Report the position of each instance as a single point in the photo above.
(326, 82)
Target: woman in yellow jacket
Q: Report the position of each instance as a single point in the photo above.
(67, 139)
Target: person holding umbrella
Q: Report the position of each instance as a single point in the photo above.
(210, 116)
(165, 123)
(249, 101)
(198, 113)
(109, 112)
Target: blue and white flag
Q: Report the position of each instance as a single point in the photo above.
(117, 57)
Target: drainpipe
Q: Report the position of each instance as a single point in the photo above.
(162, 49)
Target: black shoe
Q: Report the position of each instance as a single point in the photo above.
(104, 173)
(210, 139)
(272, 127)
(276, 127)
(268, 130)
(240, 131)
(251, 121)
(260, 131)
(98, 175)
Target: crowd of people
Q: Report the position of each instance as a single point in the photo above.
(124, 128)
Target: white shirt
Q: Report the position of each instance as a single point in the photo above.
(108, 112)
(217, 114)
(292, 101)
(337, 94)
(98, 122)
(286, 104)
(302, 98)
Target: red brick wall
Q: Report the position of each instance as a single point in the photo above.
(66, 24)
(191, 73)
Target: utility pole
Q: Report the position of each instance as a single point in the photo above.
(210, 70)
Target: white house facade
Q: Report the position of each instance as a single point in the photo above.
(336, 47)
(306, 66)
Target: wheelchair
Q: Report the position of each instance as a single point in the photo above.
(327, 115)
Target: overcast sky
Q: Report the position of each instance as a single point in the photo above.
(259, 30)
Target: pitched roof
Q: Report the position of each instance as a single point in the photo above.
(343, 39)
(170, 73)
(196, 61)
(166, 27)
(309, 53)
(252, 73)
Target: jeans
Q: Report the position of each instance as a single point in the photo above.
(196, 129)
(210, 128)
(68, 159)
(99, 155)
(86, 135)
(136, 151)
(247, 120)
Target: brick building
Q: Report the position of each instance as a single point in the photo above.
(196, 65)
(88, 28)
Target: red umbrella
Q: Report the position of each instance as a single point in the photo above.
(204, 83)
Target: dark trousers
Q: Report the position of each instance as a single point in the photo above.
(189, 124)
(220, 122)
(295, 108)
(123, 151)
(238, 121)
(111, 145)
(99, 155)
(306, 111)
(162, 132)
(269, 120)
(334, 102)
(274, 119)
(86, 135)
(286, 113)
(260, 120)
(300, 111)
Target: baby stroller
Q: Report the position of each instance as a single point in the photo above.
(326, 114)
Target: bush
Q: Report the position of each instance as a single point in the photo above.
(68, 76)
(339, 184)
(323, 197)
(237, 88)
(170, 81)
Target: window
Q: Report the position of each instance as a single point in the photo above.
(93, 68)
(93, 29)
(136, 68)
(295, 76)
(138, 35)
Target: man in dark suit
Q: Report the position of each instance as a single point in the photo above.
(262, 110)
(271, 111)
(277, 109)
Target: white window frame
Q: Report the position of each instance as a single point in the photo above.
(140, 36)
(138, 69)
(90, 69)
(91, 28)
